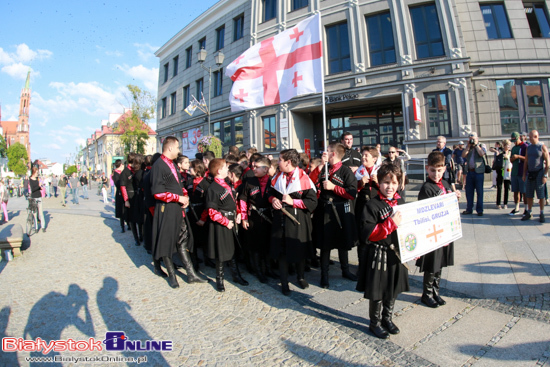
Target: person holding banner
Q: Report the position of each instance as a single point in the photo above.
(224, 215)
(334, 219)
(431, 263)
(381, 274)
(293, 196)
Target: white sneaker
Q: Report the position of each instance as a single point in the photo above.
(505, 207)
(498, 207)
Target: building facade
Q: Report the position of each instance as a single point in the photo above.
(18, 131)
(397, 72)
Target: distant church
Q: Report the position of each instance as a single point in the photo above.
(18, 131)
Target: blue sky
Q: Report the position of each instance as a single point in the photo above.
(82, 54)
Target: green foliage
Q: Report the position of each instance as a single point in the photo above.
(69, 171)
(135, 128)
(18, 159)
(211, 143)
(3, 147)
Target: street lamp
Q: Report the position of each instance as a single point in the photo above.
(218, 58)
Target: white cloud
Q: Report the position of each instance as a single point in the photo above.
(5, 58)
(115, 53)
(80, 141)
(19, 71)
(10, 112)
(16, 62)
(145, 51)
(97, 61)
(52, 146)
(91, 98)
(149, 77)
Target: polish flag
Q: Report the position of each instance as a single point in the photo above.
(279, 68)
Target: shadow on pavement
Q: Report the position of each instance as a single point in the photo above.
(117, 317)
(512, 353)
(7, 358)
(314, 357)
(508, 267)
(54, 312)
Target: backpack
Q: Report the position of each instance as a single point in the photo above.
(498, 162)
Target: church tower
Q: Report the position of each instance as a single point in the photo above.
(23, 123)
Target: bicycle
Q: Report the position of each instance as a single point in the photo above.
(32, 214)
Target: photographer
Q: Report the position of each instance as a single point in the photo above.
(474, 155)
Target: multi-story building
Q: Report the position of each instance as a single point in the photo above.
(104, 147)
(397, 72)
(18, 131)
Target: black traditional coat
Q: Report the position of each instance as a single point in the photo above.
(288, 238)
(128, 182)
(381, 274)
(197, 199)
(137, 204)
(148, 202)
(329, 233)
(221, 240)
(168, 217)
(258, 234)
(119, 200)
(444, 256)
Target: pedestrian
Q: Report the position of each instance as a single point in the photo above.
(498, 169)
(497, 149)
(104, 192)
(294, 192)
(257, 217)
(396, 158)
(130, 180)
(474, 155)
(73, 185)
(517, 158)
(149, 206)
(224, 214)
(506, 171)
(112, 186)
(119, 199)
(55, 184)
(62, 183)
(459, 163)
(36, 193)
(536, 174)
(84, 185)
(381, 275)
(199, 213)
(47, 185)
(352, 158)
(433, 262)
(4, 197)
(334, 218)
(449, 174)
(26, 186)
(367, 181)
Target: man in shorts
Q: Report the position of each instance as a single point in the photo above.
(517, 158)
(535, 174)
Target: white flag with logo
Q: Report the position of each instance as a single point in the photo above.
(191, 108)
(279, 68)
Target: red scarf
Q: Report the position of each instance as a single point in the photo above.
(390, 202)
(170, 164)
(196, 182)
(224, 184)
(263, 183)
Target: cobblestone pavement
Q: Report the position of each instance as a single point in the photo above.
(83, 278)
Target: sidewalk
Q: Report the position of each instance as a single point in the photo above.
(497, 312)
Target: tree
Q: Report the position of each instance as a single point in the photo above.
(69, 171)
(134, 128)
(17, 159)
(3, 148)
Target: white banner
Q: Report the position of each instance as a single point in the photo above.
(189, 142)
(428, 225)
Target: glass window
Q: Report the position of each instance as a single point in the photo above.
(186, 96)
(536, 116)
(218, 81)
(496, 21)
(175, 60)
(188, 57)
(438, 114)
(220, 38)
(508, 102)
(166, 66)
(173, 103)
(216, 129)
(239, 135)
(270, 9)
(538, 19)
(298, 4)
(202, 43)
(427, 32)
(380, 33)
(163, 108)
(227, 133)
(199, 84)
(270, 133)
(338, 48)
(238, 27)
(230, 132)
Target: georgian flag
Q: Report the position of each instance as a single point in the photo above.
(362, 172)
(279, 68)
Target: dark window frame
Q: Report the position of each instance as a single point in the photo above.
(269, 10)
(447, 121)
(299, 4)
(218, 82)
(238, 27)
(341, 58)
(188, 57)
(173, 103)
(163, 108)
(202, 43)
(533, 17)
(220, 38)
(166, 71)
(497, 23)
(271, 139)
(235, 132)
(384, 48)
(186, 96)
(426, 32)
(175, 66)
(200, 91)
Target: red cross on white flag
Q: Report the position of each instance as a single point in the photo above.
(279, 68)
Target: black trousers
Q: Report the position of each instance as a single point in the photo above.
(500, 182)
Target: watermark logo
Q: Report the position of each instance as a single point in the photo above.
(118, 341)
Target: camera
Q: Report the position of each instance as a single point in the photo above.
(472, 141)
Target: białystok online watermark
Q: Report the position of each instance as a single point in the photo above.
(75, 360)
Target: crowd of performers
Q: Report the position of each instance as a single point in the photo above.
(273, 216)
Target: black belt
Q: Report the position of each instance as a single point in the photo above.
(228, 215)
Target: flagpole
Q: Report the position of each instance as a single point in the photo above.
(325, 140)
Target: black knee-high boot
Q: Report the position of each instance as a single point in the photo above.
(375, 315)
(183, 251)
(325, 258)
(171, 272)
(134, 232)
(300, 274)
(158, 270)
(122, 225)
(437, 298)
(236, 273)
(387, 316)
(283, 274)
(344, 265)
(259, 267)
(428, 291)
(219, 276)
(140, 232)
